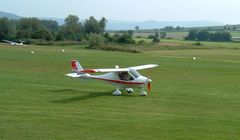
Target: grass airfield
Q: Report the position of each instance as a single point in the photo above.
(190, 99)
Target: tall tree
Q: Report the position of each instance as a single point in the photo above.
(28, 27)
(103, 24)
(51, 25)
(137, 28)
(72, 28)
(91, 25)
(7, 29)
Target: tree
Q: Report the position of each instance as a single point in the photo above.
(192, 35)
(7, 29)
(44, 34)
(203, 35)
(168, 28)
(95, 40)
(103, 24)
(163, 35)
(220, 36)
(72, 28)
(91, 25)
(156, 37)
(130, 32)
(126, 38)
(137, 28)
(116, 37)
(28, 28)
(108, 37)
(51, 25)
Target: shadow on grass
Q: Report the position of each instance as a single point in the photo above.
(90, 95)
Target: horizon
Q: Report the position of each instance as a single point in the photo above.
(118, 20)
(217, 11)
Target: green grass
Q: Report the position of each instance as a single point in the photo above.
(235, 34)
(177, 44)
(190, 99)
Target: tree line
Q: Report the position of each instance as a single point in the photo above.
(50, 30)
(205, 35)
(91, 30)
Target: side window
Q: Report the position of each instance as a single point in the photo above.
(125, 76)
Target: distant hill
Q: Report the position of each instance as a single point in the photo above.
(9, 15)
(151, 24)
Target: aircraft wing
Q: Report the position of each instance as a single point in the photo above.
(7, 41)
(119, 69)
(144, 67)
(105, 70)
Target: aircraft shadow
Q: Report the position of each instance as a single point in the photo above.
(90, 95)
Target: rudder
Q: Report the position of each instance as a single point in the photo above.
(76, 67)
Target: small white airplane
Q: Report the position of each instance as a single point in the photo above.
(122, 78)
(14, 43)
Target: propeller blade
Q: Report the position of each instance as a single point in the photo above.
(149, 87)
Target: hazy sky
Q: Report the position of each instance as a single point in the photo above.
(226, 11)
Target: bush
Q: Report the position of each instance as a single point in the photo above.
(28, 41)
(197, 43)
(141, 42)
(192, 35)
(163, 35)
(156, 37)
(95, 40)
(114, 48)
(125, 37)
(151, 36)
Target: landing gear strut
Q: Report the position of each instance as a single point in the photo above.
(117, 92)
(129, 90)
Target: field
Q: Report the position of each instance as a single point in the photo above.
(190, 99)
(178, 35)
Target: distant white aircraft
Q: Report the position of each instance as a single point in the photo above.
(122, 78)
(14, 43)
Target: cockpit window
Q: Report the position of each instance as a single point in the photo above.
(125, 76)
(134, 73)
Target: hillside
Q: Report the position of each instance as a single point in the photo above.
(9, 15)
(151, 24)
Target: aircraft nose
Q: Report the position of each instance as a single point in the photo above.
(148, 80)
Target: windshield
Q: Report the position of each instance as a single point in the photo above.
(125, 76)
(134, 73)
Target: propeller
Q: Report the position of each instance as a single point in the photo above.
(149, 87)
(149, 84)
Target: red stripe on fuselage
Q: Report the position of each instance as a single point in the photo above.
(119, 81)
(88, 71)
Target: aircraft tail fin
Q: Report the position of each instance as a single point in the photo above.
(76, 67)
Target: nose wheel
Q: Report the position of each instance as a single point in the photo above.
(143, 93)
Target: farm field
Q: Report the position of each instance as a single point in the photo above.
(190, 99)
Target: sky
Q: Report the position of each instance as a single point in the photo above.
(225, 11)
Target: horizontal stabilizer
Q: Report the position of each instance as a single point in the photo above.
(74, 75)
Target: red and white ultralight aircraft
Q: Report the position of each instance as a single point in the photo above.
(122, 78)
